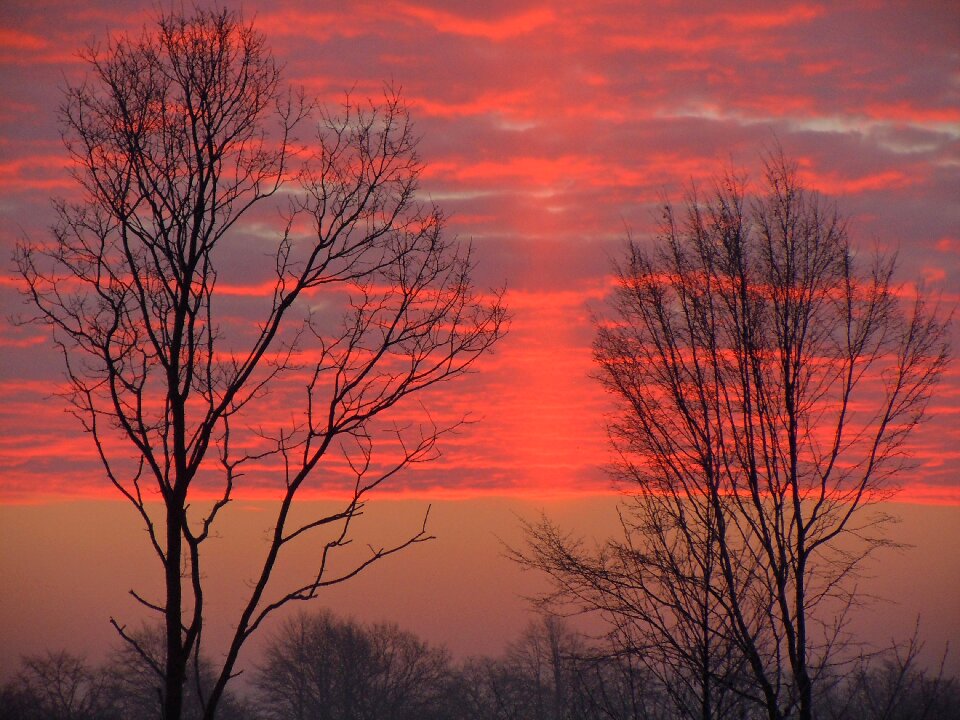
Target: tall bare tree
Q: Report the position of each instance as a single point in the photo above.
(768, 378)
(176, 136)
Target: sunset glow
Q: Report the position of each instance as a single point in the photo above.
(550, 132)
(547, 133)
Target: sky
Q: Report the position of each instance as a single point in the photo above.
(549, 130)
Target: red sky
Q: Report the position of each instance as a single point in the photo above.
(548, 129)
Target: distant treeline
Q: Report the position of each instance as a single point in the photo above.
(321, 667)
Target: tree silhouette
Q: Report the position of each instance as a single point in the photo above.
(768, 378)
(177, 136)
(318, 666)
(57, 686)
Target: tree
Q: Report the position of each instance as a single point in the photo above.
(533, 680)
(318, 666)
(552, 673)
(892, 685)
(543, 657)
(768, 378)
(133, 690)
(57, 686)
(177, 137)
(654, 588)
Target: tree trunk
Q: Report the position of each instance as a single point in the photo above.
(176, 664)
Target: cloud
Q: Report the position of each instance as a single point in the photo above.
(496, 30)
(548, 131)
(20, 41)
(31, 173)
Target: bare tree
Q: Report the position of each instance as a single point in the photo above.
(552, 673)
(543, 656)
(893, 684)
(176, 136)
(654, 589)
(318, 666)
(768, 379)
(57, 686)
(135, 689)
(533, 680)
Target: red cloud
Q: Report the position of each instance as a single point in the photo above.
(495, 30)
(547, 131)
(17, 40)
(786, 17)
